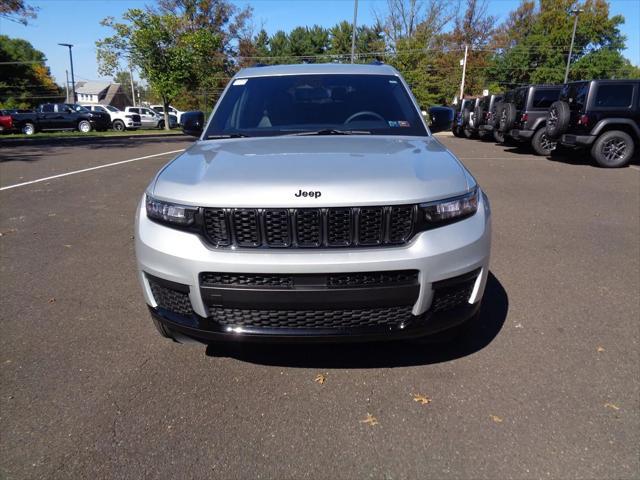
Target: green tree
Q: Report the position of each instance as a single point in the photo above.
(168, 55)
(26, 80)
(535, 43)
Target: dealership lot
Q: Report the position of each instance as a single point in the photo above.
(546, 385)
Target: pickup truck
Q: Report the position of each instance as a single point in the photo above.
(60, 116)
(120, 121)
(150, 118)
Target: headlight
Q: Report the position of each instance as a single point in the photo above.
(451, 209)
(179, 215)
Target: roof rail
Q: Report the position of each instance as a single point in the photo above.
(376, 62)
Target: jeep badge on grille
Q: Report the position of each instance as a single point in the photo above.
(315, 194)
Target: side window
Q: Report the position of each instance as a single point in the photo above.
(134, 110)
(614, 95)
(146, 112)
(544, 98)
(47, 107)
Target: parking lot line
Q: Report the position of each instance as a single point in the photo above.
(89, 169)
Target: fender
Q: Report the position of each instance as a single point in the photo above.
(539, 123)
(615, 121)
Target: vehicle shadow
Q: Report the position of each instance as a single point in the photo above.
(379, 355)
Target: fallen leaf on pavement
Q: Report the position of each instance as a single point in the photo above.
(52, 300)
(600, 349)
(421, 399)
(496, 418)
(611, 406)
(370, 420)
(320, 379)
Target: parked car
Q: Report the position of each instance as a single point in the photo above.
(61, 116)
(496, 114)
(120, 121)
(6, 122)
(485, 113)
(525, 117)
(603, 115)
(172, 111)
(321, 210)
(463, 114)
(150, 118)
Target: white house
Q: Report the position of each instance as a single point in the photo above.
(102, 93)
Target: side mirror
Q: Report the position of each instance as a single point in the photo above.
(441, 119)
(193, 123)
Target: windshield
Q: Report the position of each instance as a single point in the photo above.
(111, 108)
(289, 104)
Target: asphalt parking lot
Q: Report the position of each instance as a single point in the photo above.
(546, 385)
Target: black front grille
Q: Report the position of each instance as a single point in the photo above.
(170, 299)
(309, 227)
(450, 295)
(212, 279)
(372, 279)
(311, 319)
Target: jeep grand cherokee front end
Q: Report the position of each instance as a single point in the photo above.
(316, 205)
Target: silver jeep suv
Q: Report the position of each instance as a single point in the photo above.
(315, 205)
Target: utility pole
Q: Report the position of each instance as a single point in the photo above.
(73, 78)
(133, 92)
(576, 12)
(353, 33)
(66, 74)
(464, 71)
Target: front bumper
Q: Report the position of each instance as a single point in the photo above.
(453, 251)
(521, 135)
(577, 140)
(132, 124)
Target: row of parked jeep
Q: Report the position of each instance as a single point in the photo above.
(602, 116)
(84, 118)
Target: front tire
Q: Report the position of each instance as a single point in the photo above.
(161, 125)
(468, 133)
(28, 128)
(498, 136)
(457, 131)
(542, 144)
(84, 126)
(613, 149)
(118, 126)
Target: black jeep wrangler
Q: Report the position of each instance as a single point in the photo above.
(462, 126)
(525, 117)
(603, 115)
(485, 113)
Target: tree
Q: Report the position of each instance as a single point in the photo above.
(535, 43)
(168, 55)
(26, 81)
(17, 11)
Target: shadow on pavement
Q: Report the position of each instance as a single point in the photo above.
(379, 355)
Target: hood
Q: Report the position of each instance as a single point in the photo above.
(339, 170)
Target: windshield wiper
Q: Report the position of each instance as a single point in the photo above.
(228, 135)
(329, 131)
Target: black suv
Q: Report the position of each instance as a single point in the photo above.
(485, 113)
(524, 118)
(601, 114)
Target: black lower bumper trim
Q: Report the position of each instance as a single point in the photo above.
(204, 330)
(577, 140)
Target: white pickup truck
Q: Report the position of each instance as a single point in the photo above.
(120, 121)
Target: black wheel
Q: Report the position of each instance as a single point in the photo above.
(541, 143)
(558, 119)
(498, 136)
(468, 133)
(507, 117)
(457, 131)
(161, 125)
(162, 330)
(613, 149)
(118, 126)
(28, 128)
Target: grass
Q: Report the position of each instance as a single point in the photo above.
(76, 134)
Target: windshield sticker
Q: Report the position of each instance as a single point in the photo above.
(393, 123)
(240, 81)
(393, 81)
(403, 123)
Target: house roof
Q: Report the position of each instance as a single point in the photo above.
(92, 88)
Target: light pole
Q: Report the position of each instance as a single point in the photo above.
(353, 33)
(575, 11)
(73, 79)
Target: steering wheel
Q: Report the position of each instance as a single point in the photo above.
(362, 114)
